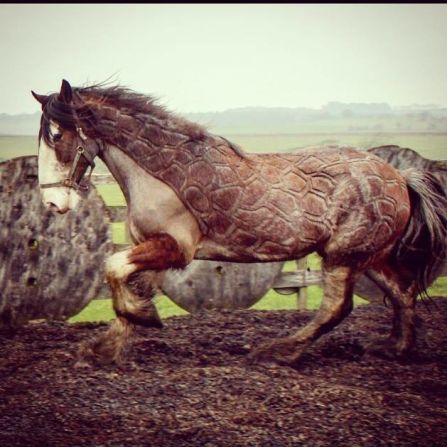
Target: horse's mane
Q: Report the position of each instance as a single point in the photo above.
(128, 101)
(134, 103)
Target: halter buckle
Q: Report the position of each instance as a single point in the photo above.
(68, 183)
(75, 179)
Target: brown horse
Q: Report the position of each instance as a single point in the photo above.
(194, 195)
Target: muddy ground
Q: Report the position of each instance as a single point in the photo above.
(190, 385)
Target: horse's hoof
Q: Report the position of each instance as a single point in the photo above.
(279, 352)
(386, 349)
(98, 352)
(259, 357)
(83, 364)
(262, 353)
(264, 362)
(273, 361)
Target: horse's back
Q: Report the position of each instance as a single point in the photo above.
(368, 204)
(293, 203)
(332, 160)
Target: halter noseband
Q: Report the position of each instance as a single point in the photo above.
(85, 151)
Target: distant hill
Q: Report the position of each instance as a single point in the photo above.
(24, 124)
(333, 117)
(335, 109)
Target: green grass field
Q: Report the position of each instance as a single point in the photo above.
(17, 146)
(429, 145)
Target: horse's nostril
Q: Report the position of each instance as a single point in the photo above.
(55, 208)
(52, 206)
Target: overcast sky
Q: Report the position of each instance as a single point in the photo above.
(218, 56)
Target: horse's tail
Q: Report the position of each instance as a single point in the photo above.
(423, 247)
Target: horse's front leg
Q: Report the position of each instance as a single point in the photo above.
(134, 276)
(338, 284)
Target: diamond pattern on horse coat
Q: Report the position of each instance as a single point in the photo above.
(260, 205)
(273, 202)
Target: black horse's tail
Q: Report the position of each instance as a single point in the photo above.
(423, 247)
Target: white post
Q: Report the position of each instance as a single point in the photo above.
(301, 264)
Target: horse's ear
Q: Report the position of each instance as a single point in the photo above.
(40, 98)
(66, 93)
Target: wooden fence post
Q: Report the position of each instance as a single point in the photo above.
(301, 264)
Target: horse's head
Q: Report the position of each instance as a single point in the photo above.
(65, 152)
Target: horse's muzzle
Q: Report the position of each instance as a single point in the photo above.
(56, 209)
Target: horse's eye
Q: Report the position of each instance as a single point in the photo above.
(57, 137)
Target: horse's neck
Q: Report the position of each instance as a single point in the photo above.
(120, 166)
(168, 152)
(139, 188)
(191, 162)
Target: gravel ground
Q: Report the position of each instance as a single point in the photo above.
(190, 384)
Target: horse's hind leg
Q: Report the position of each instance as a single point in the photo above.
(132, 293)
(403, 293)
(338, 284)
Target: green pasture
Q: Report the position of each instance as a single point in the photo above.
(17, 146)
(429, 145)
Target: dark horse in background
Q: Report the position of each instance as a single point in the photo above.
(194, 195)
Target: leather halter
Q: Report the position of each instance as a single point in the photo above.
(84, 152)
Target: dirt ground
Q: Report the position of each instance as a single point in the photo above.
(190, 384)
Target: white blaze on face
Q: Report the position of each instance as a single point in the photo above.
(50, 170)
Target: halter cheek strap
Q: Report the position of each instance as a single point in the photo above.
(85, 151)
